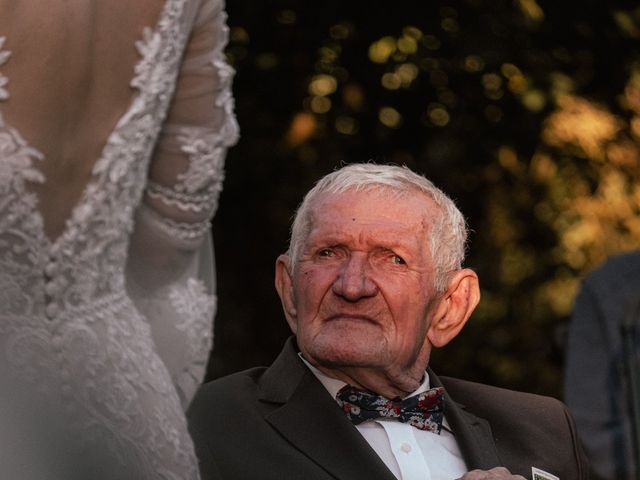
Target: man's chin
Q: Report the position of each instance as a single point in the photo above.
(345, 351)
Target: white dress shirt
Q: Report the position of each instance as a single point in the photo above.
(410, 453)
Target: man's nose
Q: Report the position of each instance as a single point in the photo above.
(354, 281)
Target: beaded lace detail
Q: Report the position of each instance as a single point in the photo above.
(194, 190)
(67, 321)
(186, 233)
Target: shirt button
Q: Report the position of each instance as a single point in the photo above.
(405, 447)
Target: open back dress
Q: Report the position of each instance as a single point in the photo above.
(115, 118)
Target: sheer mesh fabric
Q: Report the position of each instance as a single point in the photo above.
(114, 122)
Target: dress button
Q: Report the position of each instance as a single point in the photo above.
(51, 288)
(52, 310)
(51, 269)
(405, 447)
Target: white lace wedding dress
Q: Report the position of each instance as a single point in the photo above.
(114, 122)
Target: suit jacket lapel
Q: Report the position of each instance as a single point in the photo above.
(472, 433)
(312, 421)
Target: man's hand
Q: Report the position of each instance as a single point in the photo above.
(497, 473)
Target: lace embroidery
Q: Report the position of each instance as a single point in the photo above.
(4, 56)
(198, 189)
(17, 249)
(206, 159)
(64, 311)
(187, 232)
(195, 309)
(17, 156)
(229, 132)
(148, 48)
(196, 203)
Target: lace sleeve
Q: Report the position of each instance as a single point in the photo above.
(170, 271)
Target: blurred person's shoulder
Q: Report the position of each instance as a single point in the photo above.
(624, 266)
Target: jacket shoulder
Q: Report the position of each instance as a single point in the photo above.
(219, 402)
(527, 429)
(512, 414)
(473, 394)
(511, 410)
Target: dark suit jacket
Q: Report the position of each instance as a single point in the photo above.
(280, 423)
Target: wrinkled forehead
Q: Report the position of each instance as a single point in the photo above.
(374, 204)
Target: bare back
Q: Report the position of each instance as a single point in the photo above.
(68, 74)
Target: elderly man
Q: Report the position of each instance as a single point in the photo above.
(372, 281)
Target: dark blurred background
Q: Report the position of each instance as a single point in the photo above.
(527, 112)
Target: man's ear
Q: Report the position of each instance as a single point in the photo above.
(284, 286)
(454, 307)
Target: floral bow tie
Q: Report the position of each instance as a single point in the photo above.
(424, 411)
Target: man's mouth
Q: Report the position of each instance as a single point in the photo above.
(351, 316)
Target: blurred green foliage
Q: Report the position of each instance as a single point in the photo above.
(526, 112)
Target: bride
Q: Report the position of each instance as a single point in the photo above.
(115, 118)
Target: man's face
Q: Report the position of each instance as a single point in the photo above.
(363, 286)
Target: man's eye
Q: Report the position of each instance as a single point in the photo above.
(325, 252)
(398, 260)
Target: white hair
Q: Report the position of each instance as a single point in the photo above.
(448, 235)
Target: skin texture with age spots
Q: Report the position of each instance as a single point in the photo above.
(362, 300)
